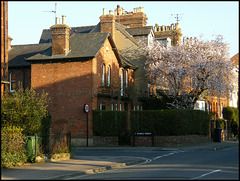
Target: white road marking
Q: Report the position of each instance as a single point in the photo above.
(167, 155)
(203, 175)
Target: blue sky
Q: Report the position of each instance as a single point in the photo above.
(28, 19)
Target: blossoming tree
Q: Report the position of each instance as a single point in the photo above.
(184, 72)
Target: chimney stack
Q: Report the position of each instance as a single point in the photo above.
(107, 23)
(60, 37)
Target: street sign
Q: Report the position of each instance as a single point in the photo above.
(86, 108)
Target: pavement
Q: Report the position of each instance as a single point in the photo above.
(80, 165)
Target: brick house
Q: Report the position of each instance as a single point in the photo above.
(100, 65)
(80, 69)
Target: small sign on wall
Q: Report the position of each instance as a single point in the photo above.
(86, 108)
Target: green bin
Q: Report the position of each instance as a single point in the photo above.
(30, 146)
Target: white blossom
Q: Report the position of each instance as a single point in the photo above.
(190, 69)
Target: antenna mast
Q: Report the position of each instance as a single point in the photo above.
(177, 17)
(54, 11)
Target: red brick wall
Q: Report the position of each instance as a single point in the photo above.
(72, 84)
(158, 140)
(134, 20)
(69, 87)
(170, 140)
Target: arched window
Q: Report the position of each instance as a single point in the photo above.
(122, 82)
(126, 78)
(109, 75)
(103, 75)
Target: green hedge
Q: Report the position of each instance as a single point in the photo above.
(108, 123)
(230, 113)
(170, 122)
(220, 123)
(13, 151)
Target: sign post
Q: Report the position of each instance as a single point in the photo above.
(86, 110)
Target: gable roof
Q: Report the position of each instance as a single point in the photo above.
(85, 46)
(18, 53)
(122, 29)
(46, 36)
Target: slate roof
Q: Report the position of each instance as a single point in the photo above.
(18, 53)
(96, 29)
(126, 63)
(84, 42)
(46, 36)
(139, 31)
(81, 46)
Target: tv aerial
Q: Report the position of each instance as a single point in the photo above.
(53, 11)
(178, 17)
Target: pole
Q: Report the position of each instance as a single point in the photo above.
(87, 129)
(35, 146)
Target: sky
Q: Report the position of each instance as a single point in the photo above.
(27, 19)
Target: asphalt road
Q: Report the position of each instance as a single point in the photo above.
(171, 165)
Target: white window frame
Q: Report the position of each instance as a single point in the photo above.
(11, 82)
(121, 82)
(112, 106)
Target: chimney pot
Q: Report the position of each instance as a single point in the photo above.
(141, 9)
(104, 11)
(57, 21)
(63, 19)
(9, 42)
(177, 26)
